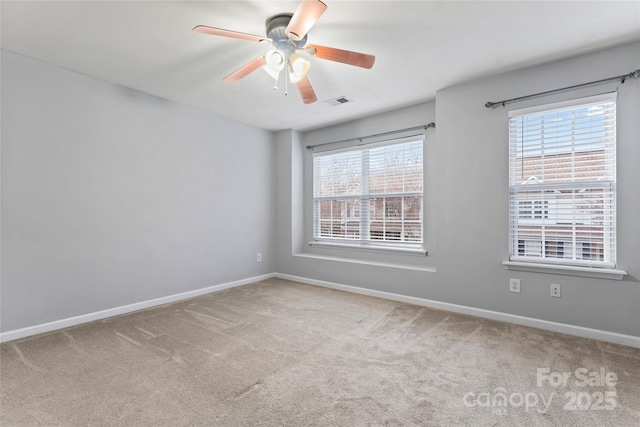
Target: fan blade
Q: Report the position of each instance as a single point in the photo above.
(245, 70)
(305, 16)
(212, 31)
(306, 91)
(345, 56)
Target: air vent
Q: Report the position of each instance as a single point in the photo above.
(338, 101)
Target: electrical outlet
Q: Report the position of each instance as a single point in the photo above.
(555, 290)
(259, 257)
(514, 285)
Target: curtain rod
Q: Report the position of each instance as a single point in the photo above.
(427, 126)
(632, 75)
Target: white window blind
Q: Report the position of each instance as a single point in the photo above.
(371, 195)
(562, 180)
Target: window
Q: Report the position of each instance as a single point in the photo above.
(370, 196)
(562, 181)
(533, 209)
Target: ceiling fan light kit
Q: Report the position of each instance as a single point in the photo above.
(287, 33)
(299, 67)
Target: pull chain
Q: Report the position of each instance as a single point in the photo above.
(286, 82)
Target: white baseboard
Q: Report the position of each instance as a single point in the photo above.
(564, 328)
(89, 317)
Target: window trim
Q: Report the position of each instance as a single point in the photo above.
(585, 268)
(566, 270)
(368, 245)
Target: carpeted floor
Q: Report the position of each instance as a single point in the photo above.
(279, 353)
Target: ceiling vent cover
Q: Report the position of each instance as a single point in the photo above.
(338, 101)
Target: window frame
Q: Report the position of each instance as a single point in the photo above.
(523, 215)
(365, 198)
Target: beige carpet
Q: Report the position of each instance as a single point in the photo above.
(279, 353)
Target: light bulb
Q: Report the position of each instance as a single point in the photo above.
(298, 68)
(275, 60)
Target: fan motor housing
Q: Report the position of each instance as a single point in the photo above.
(276, 26)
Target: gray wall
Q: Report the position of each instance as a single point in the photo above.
(111, 196)
(467, 202)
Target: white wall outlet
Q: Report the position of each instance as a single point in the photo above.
(259, 257)
(514, 285)
(555, 290)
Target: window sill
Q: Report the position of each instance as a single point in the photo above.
(366, 262)
(599, 273)
(371, 248)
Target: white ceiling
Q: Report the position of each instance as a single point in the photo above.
(420, 47)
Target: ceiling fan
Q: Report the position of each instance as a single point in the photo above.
(287, 33)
